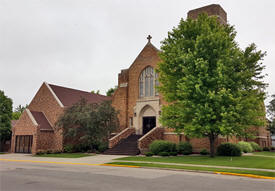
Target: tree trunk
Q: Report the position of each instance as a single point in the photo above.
(212, 139)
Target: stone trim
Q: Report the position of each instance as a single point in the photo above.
(261, 137)
(122, 135)
(31, 117)
(54, 95)
(172, 133)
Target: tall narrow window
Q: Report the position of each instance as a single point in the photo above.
(147, 82)
(141, 81)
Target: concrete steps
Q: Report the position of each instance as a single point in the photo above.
(128, 146)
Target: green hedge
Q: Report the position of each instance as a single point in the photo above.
(255, 146)
(159, 146)
(204, 152)
(184, 148)
(229, 149)
(245, 147)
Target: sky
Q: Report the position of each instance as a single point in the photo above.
(84, 44)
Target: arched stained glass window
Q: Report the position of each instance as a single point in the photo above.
(148, 80)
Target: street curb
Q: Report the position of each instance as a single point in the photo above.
(120, 165)
(199, 171)
(246, 175)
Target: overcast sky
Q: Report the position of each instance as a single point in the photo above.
(84, 44)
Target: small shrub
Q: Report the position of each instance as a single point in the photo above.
(149, 154)
(163, 154)
(255, 146)
(102, 147)
(204, 152)
(173, 153)
(273, 148)
(245, 147)
(162, 146)
(184, 148)
(81, 147)
(266, 149)
(229, 149)
(68, 148)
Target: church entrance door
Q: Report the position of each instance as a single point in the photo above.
(148, 124)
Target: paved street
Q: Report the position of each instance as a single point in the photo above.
(22, 175)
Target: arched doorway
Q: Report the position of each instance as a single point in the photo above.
(148, 119)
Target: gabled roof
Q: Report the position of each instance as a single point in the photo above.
(41, 120)
(147, 47)
(68, 96)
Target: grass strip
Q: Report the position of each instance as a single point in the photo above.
(264, 153)
(153, 165)
(261, 162)
(65, 155)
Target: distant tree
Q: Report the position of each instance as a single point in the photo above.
(111, 91)
(95, 92)
(5, 117)
(212, 86)
(89, 123)
(18, 111)
(271, 113)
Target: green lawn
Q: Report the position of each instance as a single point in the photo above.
(261, 173)
(243, 161)
(65, 155)
(265, 153)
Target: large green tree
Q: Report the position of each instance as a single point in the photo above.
(5, 117)
(89, 123)
(212, 86)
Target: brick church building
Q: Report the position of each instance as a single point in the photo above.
(35, 130)
(136, 98)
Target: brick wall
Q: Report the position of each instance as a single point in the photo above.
(24, 126)
(119, 99)
(45, 140)
(125, 97)
(44, 102)
(147, 57)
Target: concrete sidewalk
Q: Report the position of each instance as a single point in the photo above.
(197, 165)
(96, 159)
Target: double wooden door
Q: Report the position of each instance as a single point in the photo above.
(23, 144)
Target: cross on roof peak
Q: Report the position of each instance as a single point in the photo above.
(149, 37)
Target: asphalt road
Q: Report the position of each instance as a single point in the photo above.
(27, 176)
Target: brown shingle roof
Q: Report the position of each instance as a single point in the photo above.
(41, 120)
(69, 96)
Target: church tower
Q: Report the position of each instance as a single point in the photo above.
(210, 10)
